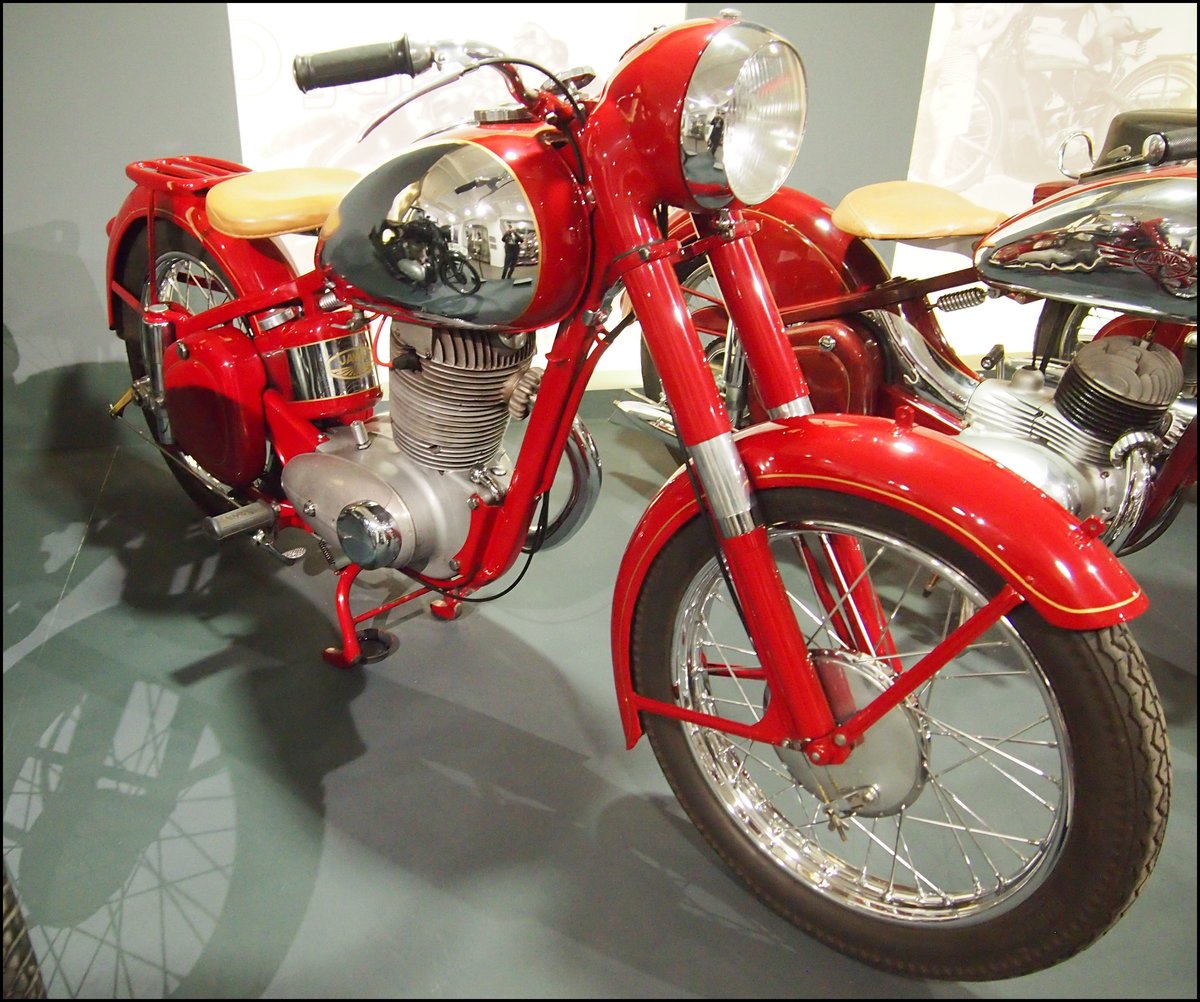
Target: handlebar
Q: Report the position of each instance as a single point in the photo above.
(1164, 146)
(360, 63)
(385, 59)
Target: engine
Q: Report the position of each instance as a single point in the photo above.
(1089, 441)
(404, 499)
(1086, 435)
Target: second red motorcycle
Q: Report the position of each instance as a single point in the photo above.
(1101, 417)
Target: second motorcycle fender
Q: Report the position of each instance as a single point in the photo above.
(1063, 571)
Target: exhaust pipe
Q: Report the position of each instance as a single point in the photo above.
(649, 418)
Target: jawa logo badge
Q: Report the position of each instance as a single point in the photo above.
(353, 363)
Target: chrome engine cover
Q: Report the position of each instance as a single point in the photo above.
(1017, 423)
(1087, 441)
(399, 492)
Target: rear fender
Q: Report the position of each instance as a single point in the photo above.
(1039, 548)
(252, 265)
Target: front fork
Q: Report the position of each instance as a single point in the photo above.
(800, 710)
(703, 426)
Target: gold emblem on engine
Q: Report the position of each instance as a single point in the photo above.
(352, 363)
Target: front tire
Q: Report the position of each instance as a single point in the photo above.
(998, 822)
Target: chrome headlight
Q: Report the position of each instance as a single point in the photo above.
(743, 117)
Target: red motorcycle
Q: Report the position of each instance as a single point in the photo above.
(1101, 417)
(911, 725)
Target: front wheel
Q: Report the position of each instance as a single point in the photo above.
(458, 273)
(997, 822)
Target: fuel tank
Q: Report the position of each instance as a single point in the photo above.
(482, 228)
(1126, 243)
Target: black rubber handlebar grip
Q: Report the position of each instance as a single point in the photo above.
(354, 65)
(1181, 144)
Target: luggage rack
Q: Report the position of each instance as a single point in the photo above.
(190, 174)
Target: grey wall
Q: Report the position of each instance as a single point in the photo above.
(87, 89)
(865, 63)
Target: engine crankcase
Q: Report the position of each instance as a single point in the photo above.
(1072, 440)
(380, 508)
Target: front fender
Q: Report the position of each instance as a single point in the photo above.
(1039, 548)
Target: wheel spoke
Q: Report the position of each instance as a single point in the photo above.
(983, 746)
(707, 630)
(868, 603)
(958, 830)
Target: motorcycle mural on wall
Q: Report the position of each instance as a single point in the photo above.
(908, 725)
(1014, 80)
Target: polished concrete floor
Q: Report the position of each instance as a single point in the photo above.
(195, 804)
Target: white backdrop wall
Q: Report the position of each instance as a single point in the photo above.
(1004, 85)
(87, 89)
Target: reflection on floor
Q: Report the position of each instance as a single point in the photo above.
(195, 804)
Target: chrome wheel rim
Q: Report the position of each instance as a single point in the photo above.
(990, 817)
(188, 283)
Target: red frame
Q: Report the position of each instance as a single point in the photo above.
(626, 142)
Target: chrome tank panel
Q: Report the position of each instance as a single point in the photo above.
(1127, 244)
(449, 233)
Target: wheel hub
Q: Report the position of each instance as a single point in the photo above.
(886, 770)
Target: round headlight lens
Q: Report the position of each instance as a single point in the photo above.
(743, 117)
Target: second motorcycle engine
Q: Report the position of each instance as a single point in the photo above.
(1087, 435)
(403, 499)
(1089, 441)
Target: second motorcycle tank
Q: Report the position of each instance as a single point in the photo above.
(482, 228)
(1126, 243)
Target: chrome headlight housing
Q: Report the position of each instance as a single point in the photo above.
(743, 117)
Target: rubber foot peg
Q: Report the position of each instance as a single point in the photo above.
(446, 608)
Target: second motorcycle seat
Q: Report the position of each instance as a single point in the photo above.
(270, 203)
(910, 210)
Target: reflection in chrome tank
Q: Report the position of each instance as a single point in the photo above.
(1128, 245)
(445, 231)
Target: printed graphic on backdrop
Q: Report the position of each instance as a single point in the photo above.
(1006, 84)
(280, 127)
